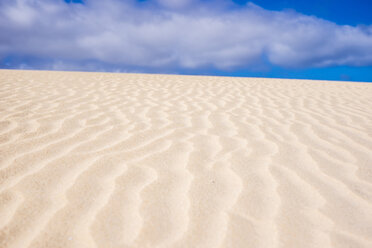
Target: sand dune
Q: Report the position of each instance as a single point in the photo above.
(132, 160)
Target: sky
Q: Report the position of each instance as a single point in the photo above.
(318, 39)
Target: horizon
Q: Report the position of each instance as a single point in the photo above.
(186, 75)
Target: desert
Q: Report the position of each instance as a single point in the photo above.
(147, 160)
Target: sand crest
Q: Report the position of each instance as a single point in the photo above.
(134, 160)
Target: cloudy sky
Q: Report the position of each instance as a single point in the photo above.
(267, 38)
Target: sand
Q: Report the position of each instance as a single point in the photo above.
(134, 160)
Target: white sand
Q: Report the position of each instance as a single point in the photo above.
(131, 160)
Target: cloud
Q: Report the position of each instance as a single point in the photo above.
(174, 35)
(175, 4)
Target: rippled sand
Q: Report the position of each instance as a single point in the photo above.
(132, 160)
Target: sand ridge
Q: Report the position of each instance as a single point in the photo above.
(136, 160)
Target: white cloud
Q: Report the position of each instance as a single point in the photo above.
(20, 13)
(169, 34)
(175, 4)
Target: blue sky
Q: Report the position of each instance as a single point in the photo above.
(345, 12)
(317, 39)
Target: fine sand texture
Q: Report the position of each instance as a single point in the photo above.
(134, 160)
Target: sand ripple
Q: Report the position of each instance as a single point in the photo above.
(133, 160)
